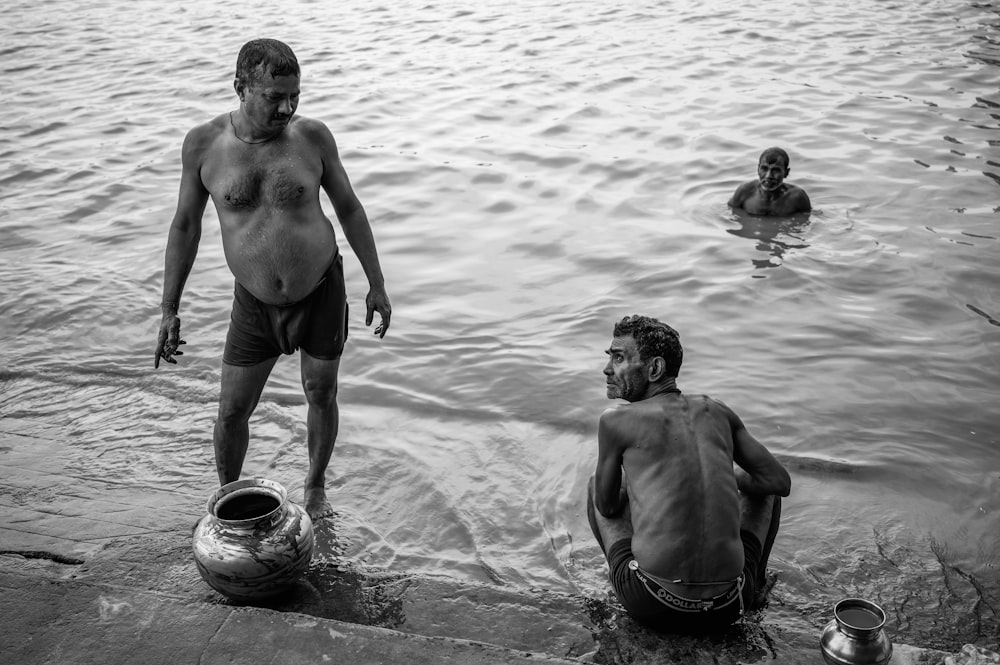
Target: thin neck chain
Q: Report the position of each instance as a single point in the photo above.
(237, 135)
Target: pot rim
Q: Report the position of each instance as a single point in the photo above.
(861, 603)
(255, 485)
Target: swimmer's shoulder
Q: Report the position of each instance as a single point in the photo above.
(797, 199)
(742, 193)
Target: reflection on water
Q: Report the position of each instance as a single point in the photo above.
(772, 236)
(534, 171)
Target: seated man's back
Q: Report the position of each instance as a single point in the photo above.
(686, 535)
(682, 492)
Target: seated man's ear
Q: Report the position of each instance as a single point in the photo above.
(656, 368)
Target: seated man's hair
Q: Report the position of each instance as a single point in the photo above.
(257, 54)
(653, 338)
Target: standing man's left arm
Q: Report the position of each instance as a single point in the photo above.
(357, 229)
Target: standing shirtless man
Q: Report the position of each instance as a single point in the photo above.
(263, 167)
(769, 194)
(686, 535)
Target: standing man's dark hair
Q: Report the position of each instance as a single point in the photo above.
(259, 55)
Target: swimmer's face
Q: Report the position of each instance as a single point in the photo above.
(625, 373)
(771, 171)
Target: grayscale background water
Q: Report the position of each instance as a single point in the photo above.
(534, 170)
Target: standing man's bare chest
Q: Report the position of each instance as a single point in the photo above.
(261, 177)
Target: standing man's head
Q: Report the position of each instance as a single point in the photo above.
(644, 354)
(772, 168)
(267, 82)
(261, 58)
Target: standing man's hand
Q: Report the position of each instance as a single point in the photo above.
(378, 300)
(169, 338)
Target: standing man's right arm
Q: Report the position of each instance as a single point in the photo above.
(182, 242)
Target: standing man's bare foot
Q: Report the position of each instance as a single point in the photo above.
(316, 504)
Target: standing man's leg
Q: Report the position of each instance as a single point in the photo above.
(241, 388)
(319, 382)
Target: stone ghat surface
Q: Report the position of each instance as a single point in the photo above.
(123, 588)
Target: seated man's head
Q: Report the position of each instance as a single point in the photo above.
(772, 168)
(644, 353)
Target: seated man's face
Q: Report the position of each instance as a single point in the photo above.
(625, 372)
(771, 172)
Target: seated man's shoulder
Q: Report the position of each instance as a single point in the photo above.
(614, 413)
(713, 405)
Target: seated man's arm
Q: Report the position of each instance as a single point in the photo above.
(760, 472)
(609, 498)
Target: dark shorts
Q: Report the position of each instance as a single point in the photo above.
(658, 608)
(317, 324)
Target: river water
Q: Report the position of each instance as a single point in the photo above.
(534, 170)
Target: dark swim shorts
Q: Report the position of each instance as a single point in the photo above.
(317, 324)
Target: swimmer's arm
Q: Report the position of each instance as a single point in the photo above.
(741, 194)
(609, 499)
(800, 200)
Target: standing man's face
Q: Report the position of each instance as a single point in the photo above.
(625, 373)
(771, 171)
(271, 102)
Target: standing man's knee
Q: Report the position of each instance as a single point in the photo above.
(234, 410)
(320, 390)
(319, 380)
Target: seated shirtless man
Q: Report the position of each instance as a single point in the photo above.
(770, 194)
(686, 534)
(263, 167)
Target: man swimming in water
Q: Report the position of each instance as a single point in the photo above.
(770, 194)
(263, 167)
(686, 535)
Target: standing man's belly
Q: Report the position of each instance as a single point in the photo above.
(279, 257)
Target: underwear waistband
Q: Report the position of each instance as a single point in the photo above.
(681, 604)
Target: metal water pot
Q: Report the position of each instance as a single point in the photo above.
(254, 542)
(856, 635)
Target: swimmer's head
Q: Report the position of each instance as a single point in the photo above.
(653, 339)
(260, 57)
(772, 168)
